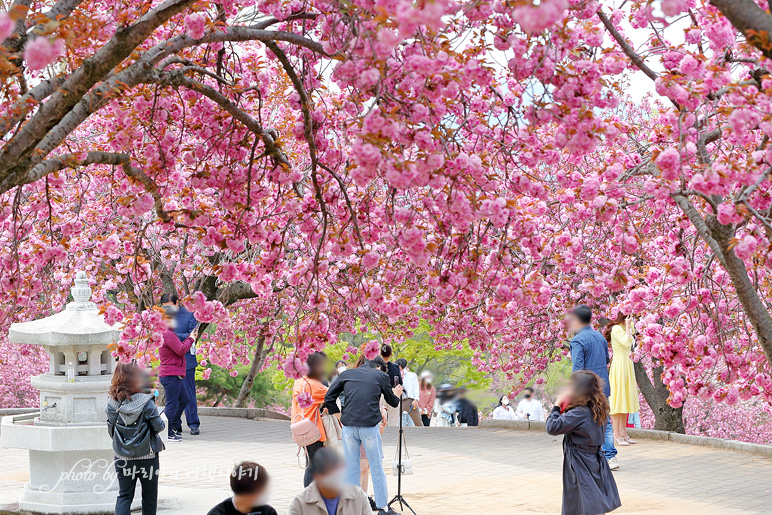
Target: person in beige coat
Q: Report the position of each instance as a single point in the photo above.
(327, 494)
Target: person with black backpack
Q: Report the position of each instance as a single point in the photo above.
(133, 423)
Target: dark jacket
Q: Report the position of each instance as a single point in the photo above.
(363, 388)
(395, 374)
(588, 484)
(467, 412)
(589, 351)
(227, 508)
(186, 322)
(134, 426)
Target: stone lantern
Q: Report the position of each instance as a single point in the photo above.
(70, 452)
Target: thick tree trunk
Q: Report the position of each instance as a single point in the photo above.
(754, 307)
(719, 238)
(666, 418)
(750, 19)
(249, 380)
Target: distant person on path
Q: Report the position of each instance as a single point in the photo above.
(412, 392)
(447, 404)
(311, 384)
(467, 411)
(530, 407)
(186, 322)
(361, 418)
(581, 414)
(172, 372)
(329, 494)
(504, 411)
(426, 397)
(133, 422)
(624, 390)
(395, 378)
(249, 484)
(589, 351)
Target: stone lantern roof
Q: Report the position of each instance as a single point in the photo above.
(79, 324)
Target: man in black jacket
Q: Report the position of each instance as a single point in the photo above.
(361, 416)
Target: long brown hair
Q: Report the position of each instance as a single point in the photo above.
(619, 320)
(124, 380)
(588, 391)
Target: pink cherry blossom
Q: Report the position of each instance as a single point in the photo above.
(372, 349)
(196, 25)
(40, 52)
(305, 400)
(7, 26)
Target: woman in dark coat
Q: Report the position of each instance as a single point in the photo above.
(133, 423)
(588, 485)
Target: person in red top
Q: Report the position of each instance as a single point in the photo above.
(171, 372)
(427, 395)
(311, 385)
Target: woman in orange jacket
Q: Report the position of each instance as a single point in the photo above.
(310, 388)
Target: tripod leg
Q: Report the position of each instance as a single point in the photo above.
(402, 504)
(398, 498)
(403, 501)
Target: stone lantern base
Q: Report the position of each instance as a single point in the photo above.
(71, 467)
(65, 503)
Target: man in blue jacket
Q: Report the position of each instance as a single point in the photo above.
(186, 322)
(589, 351)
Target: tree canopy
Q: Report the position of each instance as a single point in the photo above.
(296, 170)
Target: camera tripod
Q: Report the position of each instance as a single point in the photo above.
(399, 498)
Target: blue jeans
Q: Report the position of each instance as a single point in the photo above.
(608, 447)
(191, 409)
(176, 400)
(369, 437)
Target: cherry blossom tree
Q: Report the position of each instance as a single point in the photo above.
(301, 169)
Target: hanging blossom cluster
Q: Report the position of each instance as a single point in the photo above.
(300, 169)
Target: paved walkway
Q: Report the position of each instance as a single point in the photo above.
(458, 470)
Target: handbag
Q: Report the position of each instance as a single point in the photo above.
(332, 430)
(305, 431)
(407, 463)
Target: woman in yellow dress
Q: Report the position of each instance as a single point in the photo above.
(624, 391)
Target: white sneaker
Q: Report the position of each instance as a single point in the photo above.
(613, 463)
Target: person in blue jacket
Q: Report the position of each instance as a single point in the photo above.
(589, 351)
(186, 322)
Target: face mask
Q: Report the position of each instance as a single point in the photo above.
(527, 395)
(341, 369)
(333, 481)
(505, 402)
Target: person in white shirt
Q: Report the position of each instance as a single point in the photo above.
(504, 411)
(529, 407)
(412, 392)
